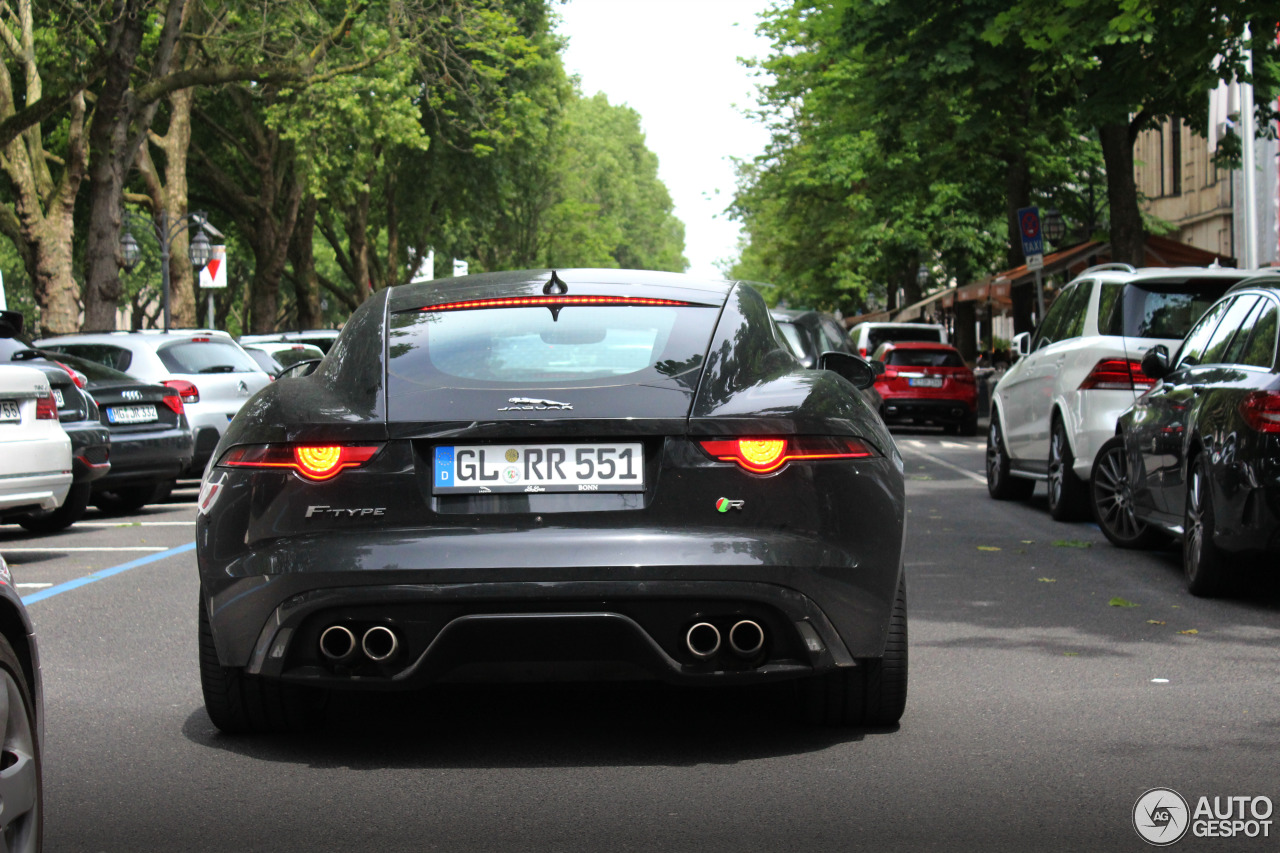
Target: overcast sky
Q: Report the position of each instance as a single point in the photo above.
(675, 63)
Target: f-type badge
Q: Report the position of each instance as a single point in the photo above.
(724, 505)
(529, 404)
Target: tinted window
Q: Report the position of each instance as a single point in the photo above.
(1261, 349)
(92, 370)
(792, 336)
(1055, 319)
(264, 360)
(883, 335)
(509, 347)
(925, 358)
(206, 357)
(834, 337)
(1154, 309)
(1215, 350)
(290, 357)
(114, 357)
(1234, 352)
(1073, 323)
(1198, 337)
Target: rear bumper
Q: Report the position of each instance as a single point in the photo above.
(928, 409)
(148, 457)
(36, 474)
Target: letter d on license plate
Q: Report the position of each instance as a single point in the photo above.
(535, 468)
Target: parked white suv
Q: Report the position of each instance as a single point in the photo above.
(1055, 407)
(867, 337)
(208, 368)
(35, 452)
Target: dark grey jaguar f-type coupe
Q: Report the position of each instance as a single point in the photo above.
(546, 475)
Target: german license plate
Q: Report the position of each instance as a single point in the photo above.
(132, 414)
(57, 396)
(534, 468)
(925, 381)
(9, 410)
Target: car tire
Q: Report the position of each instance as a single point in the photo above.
(1111, 499)
(874, 693)
(1001, 484)
(20, 758)
(1066, 490)
(239, 703)
(1203, 562)
(71, 511)
(968, 426)
(131, 498)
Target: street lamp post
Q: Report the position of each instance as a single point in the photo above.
(164, 232)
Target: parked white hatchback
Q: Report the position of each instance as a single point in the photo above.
(210, 371)
(35, 452)
(1055, 407)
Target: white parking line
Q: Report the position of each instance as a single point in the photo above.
(5, 549)
(981, 478)
(33, 585)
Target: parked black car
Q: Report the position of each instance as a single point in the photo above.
(79, 415)
(531, 475)
(1198, 456)
(811, 333)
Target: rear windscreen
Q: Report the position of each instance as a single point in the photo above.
(206, 357)
(880, 336)
(503, 347)
(924, 358)
(1155, 309)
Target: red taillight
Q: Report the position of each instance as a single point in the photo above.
(889, 373)
(174, 401)
(313, 461)
(46, 408)
(1117, 374)
(763, 455)
(551, 301)
(1261, 410)
(201, 340)
(186, 390)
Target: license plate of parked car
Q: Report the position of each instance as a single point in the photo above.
(9, 411)
(57, 397)
(480, 469)
(925, 381)
(132, 414)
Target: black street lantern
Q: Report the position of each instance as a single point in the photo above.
(129, 247)
(1055, 228)
(922, 276)
(200, 250)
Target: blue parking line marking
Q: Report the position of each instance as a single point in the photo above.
(105, 573)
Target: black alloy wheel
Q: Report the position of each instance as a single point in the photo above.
(21, 767)
(874, 693)
(1001, 484)
(1111, 496)
(1202, 561)
(1066, 490)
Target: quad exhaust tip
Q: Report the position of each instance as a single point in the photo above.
(380, 643)
(746, 638)
(337, 643)
(703, 640)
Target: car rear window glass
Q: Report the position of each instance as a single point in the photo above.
(1261, 349)
(206, 357)
(884, 335)
(506, 347)
(1161, 309)
(1216, 350)
(117, 358)
(924, 358)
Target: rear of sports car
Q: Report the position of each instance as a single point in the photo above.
(593, 475)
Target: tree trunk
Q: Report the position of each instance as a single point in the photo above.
(1127, 234)
(306, 284)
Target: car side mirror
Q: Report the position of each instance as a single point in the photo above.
(10, 324)
(1155, 362)
(1021, 344)
(302, 368)
(857, 370)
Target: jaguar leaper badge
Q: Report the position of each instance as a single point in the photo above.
(724, 505)
(531, 404)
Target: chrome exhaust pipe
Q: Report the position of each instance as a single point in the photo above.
(337, 643)
(746, 638)
(380, 643)
(703, 640)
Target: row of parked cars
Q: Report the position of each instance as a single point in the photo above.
(114, 419)
(1150, 399)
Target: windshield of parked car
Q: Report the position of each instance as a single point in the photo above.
(923, 358)
(1157, 309)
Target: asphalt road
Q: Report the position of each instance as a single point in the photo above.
(1038, 714)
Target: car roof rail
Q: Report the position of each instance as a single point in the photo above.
(1116, 266)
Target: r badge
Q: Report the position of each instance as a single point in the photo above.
(724, 505)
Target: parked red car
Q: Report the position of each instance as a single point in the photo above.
(927, 383)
